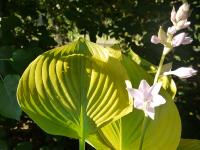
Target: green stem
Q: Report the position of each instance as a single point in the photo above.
(159, 68)
(144, 127)
(81, 144)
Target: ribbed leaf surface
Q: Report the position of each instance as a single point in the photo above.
(73, 89)
(163, 133)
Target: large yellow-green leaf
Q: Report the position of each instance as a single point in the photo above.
(73, 89)
(189, 144)
(163, 133)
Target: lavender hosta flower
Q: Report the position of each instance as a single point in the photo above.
(181, 38)
(146, 98)
(182, 72)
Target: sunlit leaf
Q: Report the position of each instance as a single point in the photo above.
(73, 89)
(162, 133)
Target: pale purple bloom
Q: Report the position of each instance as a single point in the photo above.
(182, 72)
(181, 38)
(146, 98)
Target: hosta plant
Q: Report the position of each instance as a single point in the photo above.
(109, 99)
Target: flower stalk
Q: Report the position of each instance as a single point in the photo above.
(81, 144)
(144, 127)
(147, 97)
(160, 66)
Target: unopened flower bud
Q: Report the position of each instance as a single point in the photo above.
(182, 72)
(187, 40)
(171, 30)
(173, 16)
(162, 36)
(182, 24)
(155, 39)
(182, 12)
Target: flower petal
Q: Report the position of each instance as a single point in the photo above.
(156, 88)
(182, 24)
(178, 39)
(128, 84)
(158, 100)
(135, 94)
(144, 88)
(155, 39)
(173, 16)
(187, 40)
(150, 111)
(138, 104)
(182, 12)
(171, 30)
(186, 24)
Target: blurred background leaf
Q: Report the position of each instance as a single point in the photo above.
(8, 101)
(189, 144)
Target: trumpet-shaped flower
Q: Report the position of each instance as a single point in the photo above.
(146, 98)
(181, 38)
(182, 72)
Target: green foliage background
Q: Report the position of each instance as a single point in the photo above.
(28, 28)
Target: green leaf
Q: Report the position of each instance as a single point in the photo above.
(22, 57)
(73, 89)
(162, 133)
(189, 144)
(8, 103)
